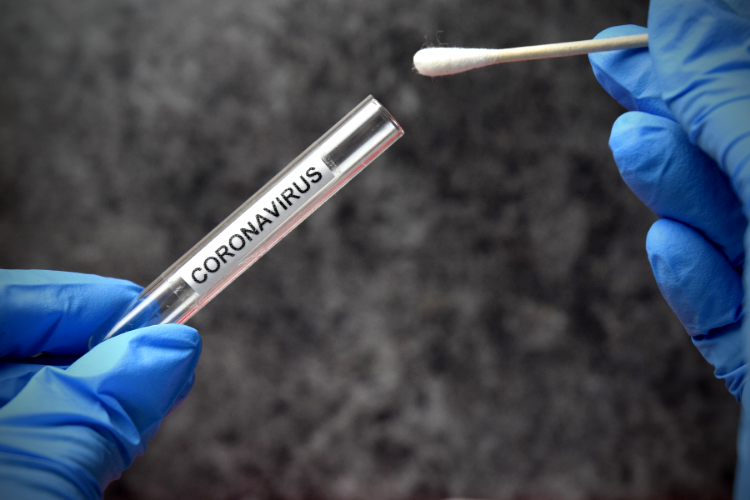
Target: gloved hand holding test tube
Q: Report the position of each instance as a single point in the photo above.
(262, 221)
(71, 421)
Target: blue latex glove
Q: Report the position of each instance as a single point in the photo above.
(684, 149)
(66, 431)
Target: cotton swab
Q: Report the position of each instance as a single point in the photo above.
(440, 61)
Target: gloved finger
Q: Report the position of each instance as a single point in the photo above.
(677, 180)
(697, 281)
(629, 75)
(15, 375)
(56, 311)
(705, 292)
(702, 53)
(84, 425)
(13, 378)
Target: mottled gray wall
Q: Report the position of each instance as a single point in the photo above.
(474, 315)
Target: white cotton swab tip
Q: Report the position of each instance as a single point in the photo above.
(440, 61)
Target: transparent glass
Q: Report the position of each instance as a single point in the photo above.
(262, 221)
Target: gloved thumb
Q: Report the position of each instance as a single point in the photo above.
(72, 431)
(702, 53)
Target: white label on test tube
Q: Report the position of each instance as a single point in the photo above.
(257, 224)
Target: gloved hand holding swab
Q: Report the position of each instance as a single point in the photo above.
(441, 61)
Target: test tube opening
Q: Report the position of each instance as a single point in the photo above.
(360, 134)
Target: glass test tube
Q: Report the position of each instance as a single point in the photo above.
(262, 221)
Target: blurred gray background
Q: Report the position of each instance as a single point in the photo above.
(472, 316)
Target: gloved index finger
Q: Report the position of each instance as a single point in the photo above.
(629, 75)
(55, 311)
(677, 180)
(702, 54)
(668, 173)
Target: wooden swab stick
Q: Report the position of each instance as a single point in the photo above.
(440, 61)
